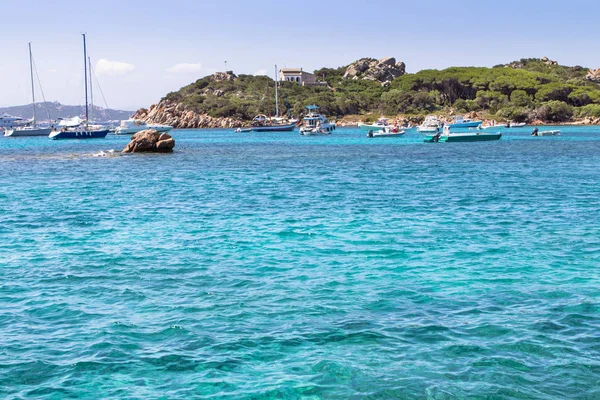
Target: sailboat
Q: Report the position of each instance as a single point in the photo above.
(262, 123)
(82, 131)
(29, 130)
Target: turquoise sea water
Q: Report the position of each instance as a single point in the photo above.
(279, 266)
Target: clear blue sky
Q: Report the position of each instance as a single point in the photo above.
(149, 48)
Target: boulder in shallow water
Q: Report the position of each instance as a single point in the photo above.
(150, 141)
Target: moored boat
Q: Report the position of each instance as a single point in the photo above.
(315, 124)
(10, 121)
(27, 131)
(132, 126)
(516, 125)
(381, 123)
(537, 132)
(81, 131)
(476, 136)
(33, 129)
(430, 125)
(386, 132)
(460, 122)
(261, 123)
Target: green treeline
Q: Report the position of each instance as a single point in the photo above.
(521, 91)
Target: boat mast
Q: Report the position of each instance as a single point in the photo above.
(91, 84)
(276, 93)
(32, 85)
(85, 78)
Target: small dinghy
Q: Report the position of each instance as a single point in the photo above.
(536, 132)
(386, 132)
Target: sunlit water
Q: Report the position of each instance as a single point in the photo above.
(279, 266)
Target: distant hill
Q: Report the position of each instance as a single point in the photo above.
(58, 110)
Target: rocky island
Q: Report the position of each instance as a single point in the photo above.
(529, 90)
(150, 141)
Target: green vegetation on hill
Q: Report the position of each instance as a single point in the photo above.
(525, 90)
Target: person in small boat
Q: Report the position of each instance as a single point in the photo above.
(395, 128)
(535, 131)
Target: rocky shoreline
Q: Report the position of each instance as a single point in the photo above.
(176, 115)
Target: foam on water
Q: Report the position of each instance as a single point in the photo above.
(279, 266)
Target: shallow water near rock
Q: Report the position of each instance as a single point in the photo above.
(277, 266)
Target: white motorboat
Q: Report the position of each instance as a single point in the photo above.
(9, 121)
(498, 126)
(386, 132)
(132, 126)
(315, 124)
(516, 124)
(430, 125)
(381, 123)
(536, 132)
(492, 125)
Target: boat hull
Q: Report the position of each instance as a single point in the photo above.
(428, 129)
(473, 124)
(274, 128)
(547, 133)
(28, 132)
(58, 135)
(159, 129)
(385, 134)
(463, 137)
(366, 127)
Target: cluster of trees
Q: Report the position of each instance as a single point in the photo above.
(521, 91)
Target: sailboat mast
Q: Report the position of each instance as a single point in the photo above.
(32, 85)
(91, 84)
(276, 93)
(85, 78)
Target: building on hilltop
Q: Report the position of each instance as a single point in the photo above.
(300, 77)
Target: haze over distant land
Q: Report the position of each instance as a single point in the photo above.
(57, 110)
(142, 50)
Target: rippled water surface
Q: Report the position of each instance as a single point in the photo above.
(280, 266)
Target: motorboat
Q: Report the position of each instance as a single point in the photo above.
(69, 129)
(492, 125)
(315, 124)
(474, 136)
(386, 132)
(132, 126)
(9, 121)
(431, 125)
(262, 123)
(381, 123)
(460, 122)
(516, 125)
(536, 132)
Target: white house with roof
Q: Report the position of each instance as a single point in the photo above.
(299, 76)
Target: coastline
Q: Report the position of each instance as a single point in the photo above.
(177, 116)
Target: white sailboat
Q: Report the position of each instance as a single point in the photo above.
(29, 130)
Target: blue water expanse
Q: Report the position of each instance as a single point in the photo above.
(278, 266)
